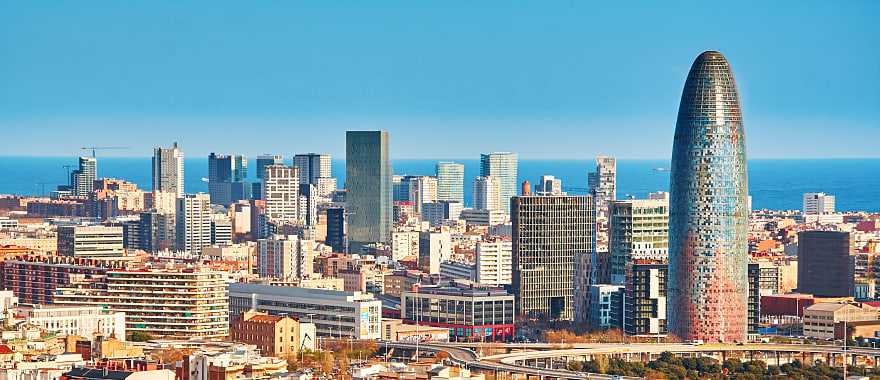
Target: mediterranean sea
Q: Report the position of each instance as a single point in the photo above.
(773, 184)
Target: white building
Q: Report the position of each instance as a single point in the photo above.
(599, 314)
(484, 217)
(494, 263)
(639, 230)
(454, 270)
(281, 193)
(404, 243)
(90, 241)
(168, 170)
(85, 321)
(312, 166)
(487, 194)
(422, 189)
(434, 248)
(334, 313)
(285, 257)
(549, 185)
(193, 223)
(818, 204)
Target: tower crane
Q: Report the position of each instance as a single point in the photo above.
(94, 149)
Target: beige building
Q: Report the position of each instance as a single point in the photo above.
(820, 318)
(273, 335)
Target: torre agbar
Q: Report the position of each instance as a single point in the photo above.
(708, 211)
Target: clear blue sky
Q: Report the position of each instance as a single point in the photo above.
(547, 79)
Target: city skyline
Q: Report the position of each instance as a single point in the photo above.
(132, 72)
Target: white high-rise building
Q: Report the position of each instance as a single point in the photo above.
(487, 194)
(494, 263)
(450, 182)
(168, 170)
(549, 185)
(281, 193)
(639, 230)
(82, 180)
(603, 184)
(434, 248)
(818, 204)
(285, 257)
(193, 223)
(502, 165)
(422, 189)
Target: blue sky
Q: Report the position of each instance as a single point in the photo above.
(547, 79)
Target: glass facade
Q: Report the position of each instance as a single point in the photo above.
(368, 187)
(504, 166)
(708, 221)
(450, 182)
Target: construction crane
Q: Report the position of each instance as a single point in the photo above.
(94, 149)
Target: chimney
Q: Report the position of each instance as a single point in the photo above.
(526, 188)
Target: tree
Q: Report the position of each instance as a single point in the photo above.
(140, 336)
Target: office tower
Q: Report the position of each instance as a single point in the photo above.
(450, 181)
(754, 313)
(82, 180)
(503, 166)
(281, 193)
(818, 204)
(193, 223)
(368, 187)
(399, 189)
(549, 185)
(422, 189)
(547, 233)
(825, 264)
(312, 166)
(708, 214)
(603, 184)
(494, 263)
(639, 230)
(265, 160)
(487, 194)
(168, 170)
(336, 229)
(226, 178)
(644, 309)
(90, 241)
(149, 231)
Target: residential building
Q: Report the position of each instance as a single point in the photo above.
(422, 189)
(334, 313)
(501, 165)
(547, 233)
(168, 170)
(34, 278)
(602, 184)
(274, 335)
(85, 321)
(172, 302)
(818, 204)
(470, 312)
(90, 241)
(368, 187)
(450, 182)
(639, 230)
(599, 307)
(708, 285)
(644, 309)
(193, 223)
(487, 194)
(285, 257)
(404, 244)
(281, 193)
(221, 229)
(825, 263)
(82, 180)
(494, 263)
(434, 248)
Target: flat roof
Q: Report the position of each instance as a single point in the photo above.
(297, 292)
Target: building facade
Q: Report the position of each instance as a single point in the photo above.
(487, 194)
(193, 223)
(90, 241)
(708, 209)
(450, 182)
(471, 313)
(639, 229)
(547, 233)
(368, 186)
(226, 178)
(85, 321)
(168, 170)
(503, 166)
(281, 193)
(494, 263)
(644, 309)
(825, 263)
(313, 166)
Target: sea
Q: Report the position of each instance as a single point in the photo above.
(776, 184)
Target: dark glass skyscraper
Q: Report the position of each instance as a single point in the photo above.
(708, 212)
(368, 187)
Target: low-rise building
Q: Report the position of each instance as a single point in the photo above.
(272, 334)
(471, 312)
(90, 241)
(334, 313)
(84, 321)
(820, 319)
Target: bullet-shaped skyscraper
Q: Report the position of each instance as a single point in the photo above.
(708, 210)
